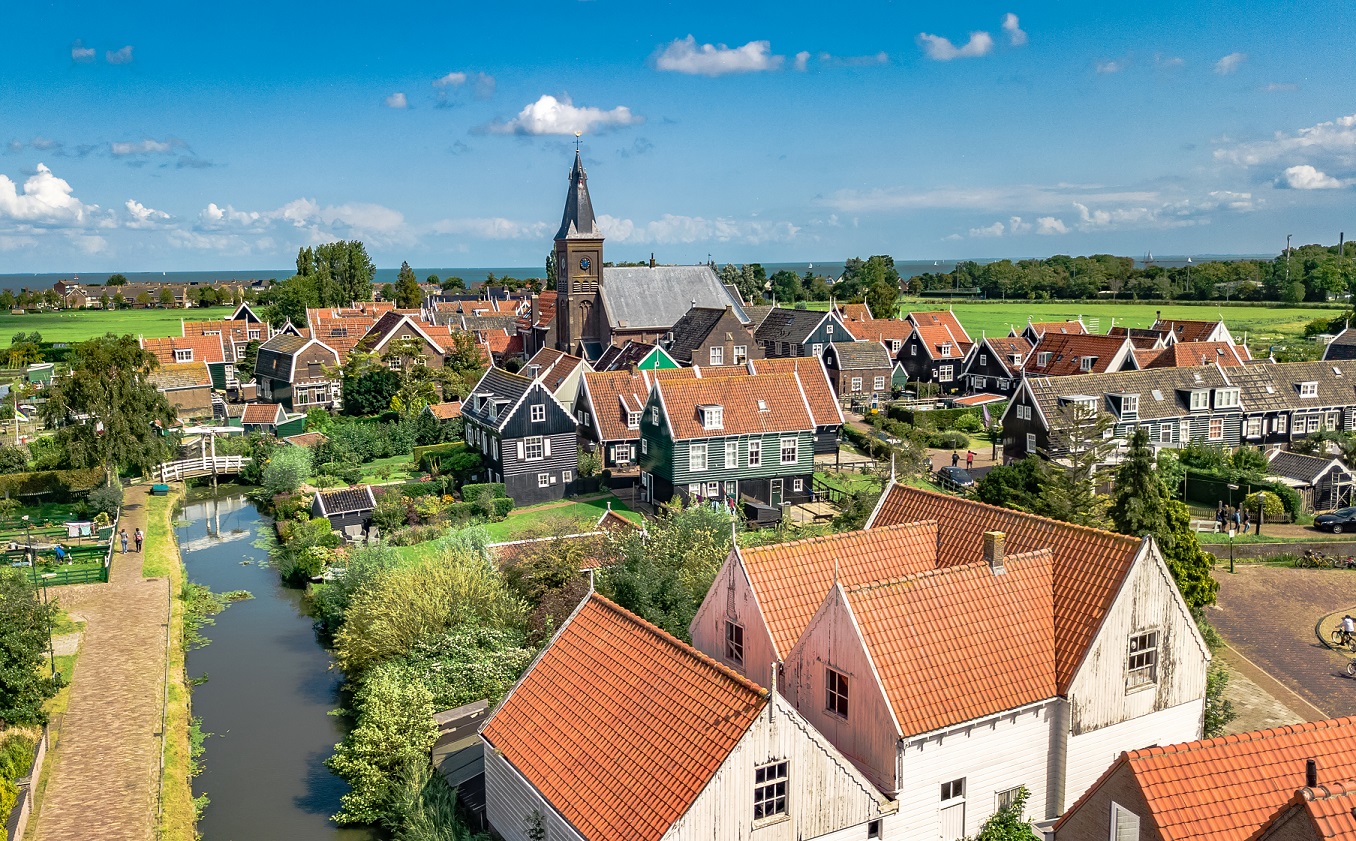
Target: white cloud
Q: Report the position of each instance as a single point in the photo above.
(1114, 65)
(1169, 61)
(397, 100)
(1016, 226)
(802, 60)
(119, 56)
(81, 53)
(685, 55)
(454, 80)
(370, 222)
(1049, 226)
(1016, 37)
(482, 84)
(1280, 87)
(490, 228)
(994, 230)
(215, 217)
(1330, 145)
(1230, 63)
(45, 200)
(875, 60)
(143, 216)
(1029, 197)
(941, 49)
(675, 229)
(549, 115)
(1306, 177)
(144, 147)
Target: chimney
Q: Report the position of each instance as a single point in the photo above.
(652, 259)
(993, 551)
(1310, 773)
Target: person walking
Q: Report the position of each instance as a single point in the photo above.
(969, 459)
(122, 535)
(1247, 520)
(1219, 517)
(139, 537)
(955, 459)
(1237, 518)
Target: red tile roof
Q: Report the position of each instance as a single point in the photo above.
(792, 579)
(883, 330)
(1186, 331)
(1072, 328)
(1067, 352)
(1089, 564)
(306, 439)
(751, 405)
(1225, 788)
(920, 631)
(445, 411)
(935, 338)
(615, 393)
(978, 399)
(264, 414)
(1331, 808)
(619, 725)
(855, 312)
(204, 348)
(942, 318)
(554, 366)
(1193, 354)
(814, 379)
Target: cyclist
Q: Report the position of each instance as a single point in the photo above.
(1348, 629)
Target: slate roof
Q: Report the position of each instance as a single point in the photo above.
(692, 330)
(919, 631)
(261, 414)
(553, 367)
(859, 355)
(659, 720)
(577, 222)
(1089, 564)
(1067, 352)
(787, 325)
(181, 375)
(814, 380)
(504, 388)
(752, 405)
(643, 297)
(756, 315)
(615, 358)
(478, 323)
(1141, 338)
(613, 394)
(1226, 788)
(1186, 330)
(791, 580)
(1301, 468)
(204, 348)
(355, 500)
(1188, 354)
(389, 322)
(1342, 346)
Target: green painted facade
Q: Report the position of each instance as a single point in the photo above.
(657, 359)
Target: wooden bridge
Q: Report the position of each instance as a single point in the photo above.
(207, 465)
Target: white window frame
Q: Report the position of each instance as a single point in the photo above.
(1215, 424)
(756, 453)
(712, 490)
(952, 791)
(734, 643)
(856, 386)
(816, 349)
(717, 355)
(1330, 421)
(913, 350)
(1313, 423)
(531, 444)
(543, 480)
(1129, 405)
(895, 345)
(1281, 423)
(945, 373)
(1200, 400)
(1254, 427)
(538, 413)
(980, 382)
(1004, 799)
(713, 417)
(696, 457)
(633, 420)
(566, 477)
(183, 354)
(879, 384)
(741, 353)
(791, 445)
(1141, 660)
(1165, 433)
(1124, 823)
(1226, 398)
(1031, 442)
(798, 485)
(494, 448)
(731, 455)
(1308, 389)
(837, 693)
(645, 446)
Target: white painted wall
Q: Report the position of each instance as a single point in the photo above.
(1090, 754)
(993, 755)
(510, 801)
(732, 597)
(827, 795)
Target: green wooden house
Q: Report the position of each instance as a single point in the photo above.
(738, 440)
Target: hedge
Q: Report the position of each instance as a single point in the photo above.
(429, 456)
(1208, 489)
(941, 419)
(472, 492)
(869, 444)
(502, 506)
(61, 482)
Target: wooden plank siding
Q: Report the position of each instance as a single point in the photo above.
(731, 598)
(670, 462)
(500, 442)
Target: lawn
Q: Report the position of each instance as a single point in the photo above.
(399, 469)
(848, 482)
(79, 325)
(552, 517)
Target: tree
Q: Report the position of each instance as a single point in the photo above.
(166, 297)
(1020, 485)
(786, 288)
(432, 280)
(550, 270)
(408, 295)
(286, 470)
(13, 459)
(25, 683)
(370, 392)
(116, 280)
(244, 367)
(144, 299)
(107, 413)
(453, 284)
(882, 299)
(1008, 823)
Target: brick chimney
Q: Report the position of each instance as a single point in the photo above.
(1310, 773)
(993, 551)
(652, 259)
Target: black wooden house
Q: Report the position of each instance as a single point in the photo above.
(526, 438)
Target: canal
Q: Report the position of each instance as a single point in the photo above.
(269, 690)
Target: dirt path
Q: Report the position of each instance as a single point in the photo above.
(106, 765)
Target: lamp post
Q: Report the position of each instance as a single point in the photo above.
(1261, 498)
(51, 646)
(32, 560)
(1231, 549)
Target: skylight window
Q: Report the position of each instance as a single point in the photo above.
(1158, 395)
(762, 405)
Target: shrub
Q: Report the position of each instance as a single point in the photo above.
(430, 458)
(589, 464)
(346, 472)
(107, 497)
(949, 440)
(1272, 506)
(390, 513)
(501, 508)
(969, 422)
(304, 565)
(285, 472)
(9, 795)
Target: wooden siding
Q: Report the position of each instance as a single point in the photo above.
(731, 597)
(867, 736)
(826, 793)
(511, 801)
(1087, 757)
(1093, 818)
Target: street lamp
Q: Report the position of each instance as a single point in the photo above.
(1261, 498)
(32, 560)
(1231, 549)
(51, 646)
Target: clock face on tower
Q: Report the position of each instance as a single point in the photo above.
(584, 263)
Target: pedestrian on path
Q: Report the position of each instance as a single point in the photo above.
(139, 537)
(123, 535)
(1247, 520)
(969, 459)
(955, 459)
(1219, 516)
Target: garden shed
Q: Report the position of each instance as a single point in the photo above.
(345, 507)
(1322, 482)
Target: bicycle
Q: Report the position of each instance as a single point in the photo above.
(1343, 638)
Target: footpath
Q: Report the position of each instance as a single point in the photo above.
(106, 766)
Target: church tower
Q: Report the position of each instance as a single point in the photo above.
(579, 268)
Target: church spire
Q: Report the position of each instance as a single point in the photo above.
(577, 221)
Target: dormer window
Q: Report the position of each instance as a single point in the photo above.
(1308, 389)
(1226, 398)
(713, 417)
(1082, 401)
(946, 349)
(1043, 359)
(1016, 359)
(633, 420)
(1086, 363)
(1200, 399)
(1127, 405)
(185, 355)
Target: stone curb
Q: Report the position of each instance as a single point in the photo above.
(1318, 627)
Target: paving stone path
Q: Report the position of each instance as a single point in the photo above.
(1268, 614)
(106, 766)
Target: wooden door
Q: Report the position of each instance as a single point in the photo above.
(776, 496)
(953, 822)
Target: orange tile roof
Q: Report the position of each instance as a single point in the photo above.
(1090, 564)
(615, 393)
(1225, 788)
(1193, 354)
(1067, 351)
(942, 318)
(814, 379)
(883, 330)
(306, 439)
(855, 312)
(752, 405)
(1331, 808)
(445, 411)
(1186, 330)
(260, 413)
(1072, 328)
(546, 309)
(619, 725)
(934, 338)
(920, 632)
(205, 348)
(792, 579)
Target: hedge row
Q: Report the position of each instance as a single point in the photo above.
(496, 490)
(428, 457)
(1209, 489)
(64, 483)
(941, 419)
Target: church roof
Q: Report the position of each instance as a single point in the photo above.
(655, 298)
(577, 221)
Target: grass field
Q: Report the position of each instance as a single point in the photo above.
(400, 470)
(552, 517)
(79, 325)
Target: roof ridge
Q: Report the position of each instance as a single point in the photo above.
(1012, 511)
(836, 537)
(1236, 738)
(679, 645)
(969, 566)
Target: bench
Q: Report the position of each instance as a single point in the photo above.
(1205, 525)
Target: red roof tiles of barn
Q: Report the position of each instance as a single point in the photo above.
(1067, 353)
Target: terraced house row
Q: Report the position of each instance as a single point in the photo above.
(1261, 404)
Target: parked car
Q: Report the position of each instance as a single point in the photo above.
(1343, 519)
(887, 438)
(955, 478)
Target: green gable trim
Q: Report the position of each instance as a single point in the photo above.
(657, 359)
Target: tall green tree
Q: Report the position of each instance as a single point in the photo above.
(408, 295)
(882, 298)
(25, 680)
(116, 280)
(1079, 445)
(107, 413)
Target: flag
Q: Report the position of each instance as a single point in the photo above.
(988, 421)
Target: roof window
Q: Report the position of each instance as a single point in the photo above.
(713, 417)
(1309, 389)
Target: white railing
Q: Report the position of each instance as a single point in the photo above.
(173, 471)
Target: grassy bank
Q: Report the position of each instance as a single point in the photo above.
(80, 325)
(177, 812)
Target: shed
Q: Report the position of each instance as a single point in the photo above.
(1323, 483)
(40, 373)
(263, 417)
(345, 506)
(459, 756)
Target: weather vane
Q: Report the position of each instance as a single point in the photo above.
(576, 140)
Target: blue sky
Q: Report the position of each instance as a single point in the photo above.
(136, 138)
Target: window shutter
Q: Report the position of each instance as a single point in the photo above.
(1125, 824)
(546, 447)
(520, 450)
